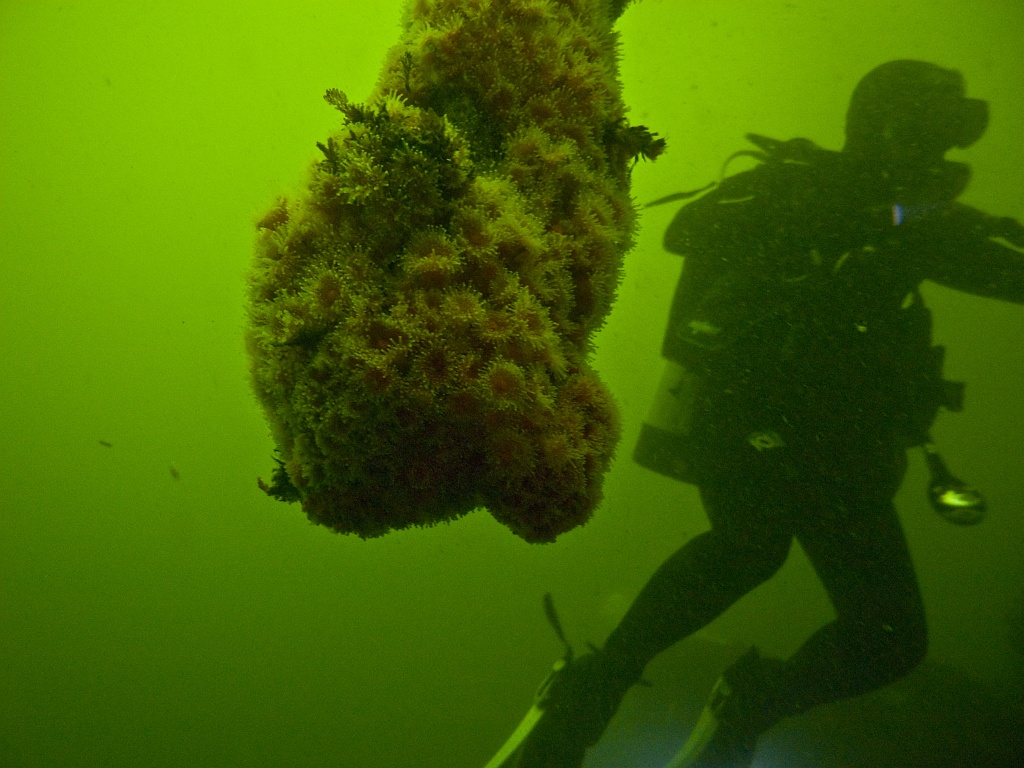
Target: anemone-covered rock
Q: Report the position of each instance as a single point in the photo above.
(420, 317)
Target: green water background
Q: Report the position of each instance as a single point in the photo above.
(156, 609)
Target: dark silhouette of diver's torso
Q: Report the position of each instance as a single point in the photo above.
(798, 307)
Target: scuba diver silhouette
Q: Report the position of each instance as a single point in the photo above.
(800, 368)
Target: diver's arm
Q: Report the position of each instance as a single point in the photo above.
(980, 254)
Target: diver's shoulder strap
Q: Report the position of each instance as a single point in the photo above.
(798, 149)
(769, 151)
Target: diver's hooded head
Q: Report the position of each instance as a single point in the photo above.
(908, 114)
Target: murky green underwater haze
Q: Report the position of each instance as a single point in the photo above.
(157, 609)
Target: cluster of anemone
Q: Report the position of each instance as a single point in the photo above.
(420, 318)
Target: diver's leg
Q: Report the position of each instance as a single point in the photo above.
(860, 554)
(744, 547)
(853, 538)
(852, 535)
(748, 542)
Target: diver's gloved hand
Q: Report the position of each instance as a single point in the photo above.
(739, 710)
(580, 700)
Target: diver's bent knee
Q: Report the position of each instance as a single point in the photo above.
(899, 650)
(758, 563)
(913, 652)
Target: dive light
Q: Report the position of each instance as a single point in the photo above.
(957, 501)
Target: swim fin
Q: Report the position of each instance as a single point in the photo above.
(509, 753)
(739, 709)
(703, 749)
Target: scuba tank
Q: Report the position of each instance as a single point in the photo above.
(663, 445)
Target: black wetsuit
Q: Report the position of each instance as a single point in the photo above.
(799, 316)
